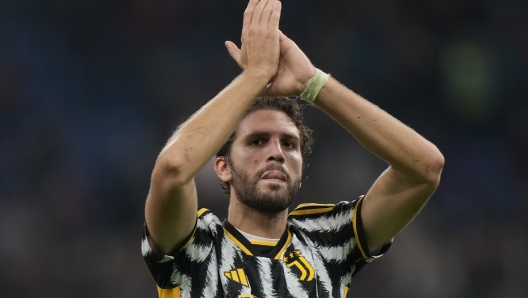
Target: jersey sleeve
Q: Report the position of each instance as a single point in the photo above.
(337, 233)
(179, 262)
(363, 255)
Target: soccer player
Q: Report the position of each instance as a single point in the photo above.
(261, 145)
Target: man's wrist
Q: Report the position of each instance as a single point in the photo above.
(306, 81)
(314, 85)
(260, 78)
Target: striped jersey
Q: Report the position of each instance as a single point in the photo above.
(321, 250)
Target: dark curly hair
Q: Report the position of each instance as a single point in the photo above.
(291, 108)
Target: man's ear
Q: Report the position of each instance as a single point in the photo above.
(222, 169)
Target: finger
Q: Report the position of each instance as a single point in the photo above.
(257, 13)
(275, 15)
(234, 52)
(248, 13)
(268, 10)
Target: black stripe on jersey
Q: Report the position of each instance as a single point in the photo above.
(264, 250)
(251, 249)
(264, 247)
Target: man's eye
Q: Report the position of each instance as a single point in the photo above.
(288, 144)
(255, 142)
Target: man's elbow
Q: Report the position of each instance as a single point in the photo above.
(171, 168)
(433, 167)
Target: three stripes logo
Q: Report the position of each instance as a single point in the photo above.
(237, 275)
(297, 260)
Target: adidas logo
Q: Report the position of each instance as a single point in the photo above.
(237, 275)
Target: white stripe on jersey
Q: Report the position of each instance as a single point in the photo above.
(145, 247)
(322, 272)
(205, 223)
(198, 253)
(324, 223)
(227, 260)
(346, 280)
(316, 262)
(184, 281)
(210, 289)
(337, 253)
(295, 288)
(229, 252)
(265, 276)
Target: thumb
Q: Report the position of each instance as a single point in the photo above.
(234, 52)
(282, 36)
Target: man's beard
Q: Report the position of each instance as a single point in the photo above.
(248, 192)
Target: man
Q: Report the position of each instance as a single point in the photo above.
(260, 250)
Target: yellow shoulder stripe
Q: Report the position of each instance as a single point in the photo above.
(313, 205)
(169, 293)
(312, 211)
(201, 211)
(346, 291)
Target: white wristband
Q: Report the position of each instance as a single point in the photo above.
(315, 85)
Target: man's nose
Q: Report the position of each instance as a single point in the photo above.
(275, 152)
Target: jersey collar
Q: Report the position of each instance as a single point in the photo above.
(248, 248)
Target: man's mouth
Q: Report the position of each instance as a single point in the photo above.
(274, 175)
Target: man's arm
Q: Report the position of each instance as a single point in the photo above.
(172, 200)
(415, 164)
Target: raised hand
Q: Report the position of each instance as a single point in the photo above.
(260, 49)
(295, 70)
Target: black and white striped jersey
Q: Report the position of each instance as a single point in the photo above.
(317, 256)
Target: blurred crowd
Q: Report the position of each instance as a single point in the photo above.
(90, 90)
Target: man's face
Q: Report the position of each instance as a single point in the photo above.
(266, 161)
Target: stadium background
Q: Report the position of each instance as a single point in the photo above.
(90, 91)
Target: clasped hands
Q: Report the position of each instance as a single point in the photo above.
(266, 51)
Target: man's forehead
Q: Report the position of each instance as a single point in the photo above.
(267, 121)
